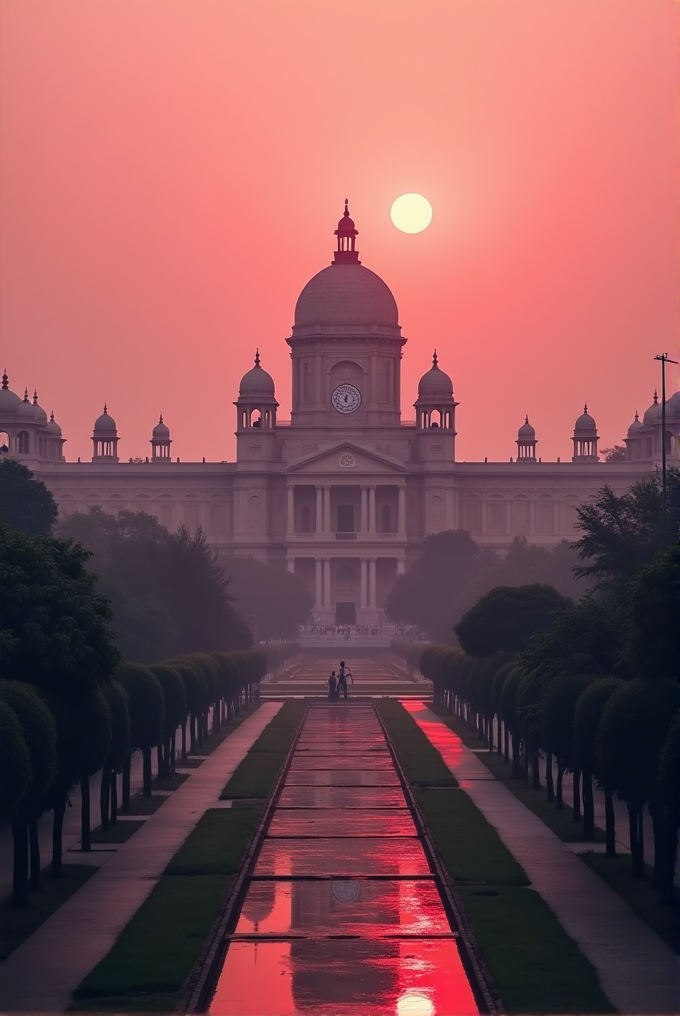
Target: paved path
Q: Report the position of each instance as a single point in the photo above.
(373, 678)
(341, 912)
(41, 974)
(637, 970)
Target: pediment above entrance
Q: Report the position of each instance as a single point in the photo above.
(346, 459)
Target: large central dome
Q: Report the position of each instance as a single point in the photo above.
(346, 294)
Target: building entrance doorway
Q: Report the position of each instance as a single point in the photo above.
(345, 613)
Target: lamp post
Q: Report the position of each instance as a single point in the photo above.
(664, 359)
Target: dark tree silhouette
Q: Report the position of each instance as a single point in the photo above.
(25, 503)
(145, 701)
(508, 617)
(587, 717)
(117, 701)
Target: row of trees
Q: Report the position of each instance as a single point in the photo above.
(69, 706)
(622, 734)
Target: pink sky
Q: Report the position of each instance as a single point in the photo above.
(173, 171)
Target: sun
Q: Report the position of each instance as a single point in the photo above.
(411, 213)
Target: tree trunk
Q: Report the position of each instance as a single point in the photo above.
(588, 807)
(535, 768)
(57, 828)
(20, 865)
(146, 772)
(127, 764)
(636, 842)
(499, 735)
(516, 762)
(576, 792)
(104, 797)
(172, 754)
(549, 783)
(114, 797)
(159, 761)
(668, 834)
(85, 835)
(559, 800)
(34, 844)
(192, 733)
(609, 823)
(506, 749)
(184, 737)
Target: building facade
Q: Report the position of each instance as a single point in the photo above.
(345, 491)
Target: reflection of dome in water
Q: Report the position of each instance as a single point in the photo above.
(259, 902)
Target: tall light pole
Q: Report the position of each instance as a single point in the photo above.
(664, 359)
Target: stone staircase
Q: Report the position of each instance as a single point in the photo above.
(373, 678)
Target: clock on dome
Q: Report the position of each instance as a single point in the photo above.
(346, 398)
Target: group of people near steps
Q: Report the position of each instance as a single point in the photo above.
(337, 683)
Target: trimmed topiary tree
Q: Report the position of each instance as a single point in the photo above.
(508, 705)
(175, 701)
(559, 705)
(15, 763)
(145, 702)
(117, 701)
(587, 716)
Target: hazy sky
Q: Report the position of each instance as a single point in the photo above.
(173, 171)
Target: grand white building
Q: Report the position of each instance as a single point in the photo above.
(344, 492)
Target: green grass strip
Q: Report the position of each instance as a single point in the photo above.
(18, 923)
(538, 968)
(255, 776)
(422, 764)
(155, 952)
(615, 871)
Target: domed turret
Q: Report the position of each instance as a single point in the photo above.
(673, 407)
(257, 382)
(105, 438)
(256, 404)
(653, 414)
(585, 438)
(40, 414)
(526, 442)
(9, 401)
(25, 412)
(435, 405)
(53, 428)
(160, 441)
(635, 426)
(435, 382)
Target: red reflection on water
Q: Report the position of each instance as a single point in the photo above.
(448, 744)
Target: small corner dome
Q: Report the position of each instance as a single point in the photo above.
(635, 426)
(653, 414)
(257, 382)
(53, 427)
(161, 431)
(40, 414)
(9, 401)
(585, 422)
(25, 412)
(435, 381)
(346, 294)
(526, 431)
(105, 424)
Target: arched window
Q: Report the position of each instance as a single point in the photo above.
(4, 442)
(305, 519)
(386, 519)
(23, 442)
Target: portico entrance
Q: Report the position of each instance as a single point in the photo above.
(345, 612)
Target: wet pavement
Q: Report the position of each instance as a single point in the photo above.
(341, 912)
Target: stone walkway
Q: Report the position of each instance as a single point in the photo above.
(638, 972)
(41, 974)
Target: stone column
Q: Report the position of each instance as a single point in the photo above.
(290, 526)
(326, 509)
(327, 583)
(364, 510)
(364, 583)
(319, 509)
(401, 514)
(372, 598)
(290, 565)
(401, 566)
(371, 509)
(318, 580)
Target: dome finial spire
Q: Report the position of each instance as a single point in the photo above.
(257, 357)
(346, 234)
(5, 380)
(106, 412)
(435, 361)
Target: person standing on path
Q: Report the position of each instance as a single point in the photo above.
(342, 685)
(344, 673)
(332, 686)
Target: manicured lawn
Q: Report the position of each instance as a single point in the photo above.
(17, 923)
(118, 833)
(535, 964)
(228, 726)
(422, 764)
(255, 776)
(470, 848)
(638, 894)
(155, 952)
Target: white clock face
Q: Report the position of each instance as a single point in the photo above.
(346, 398)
